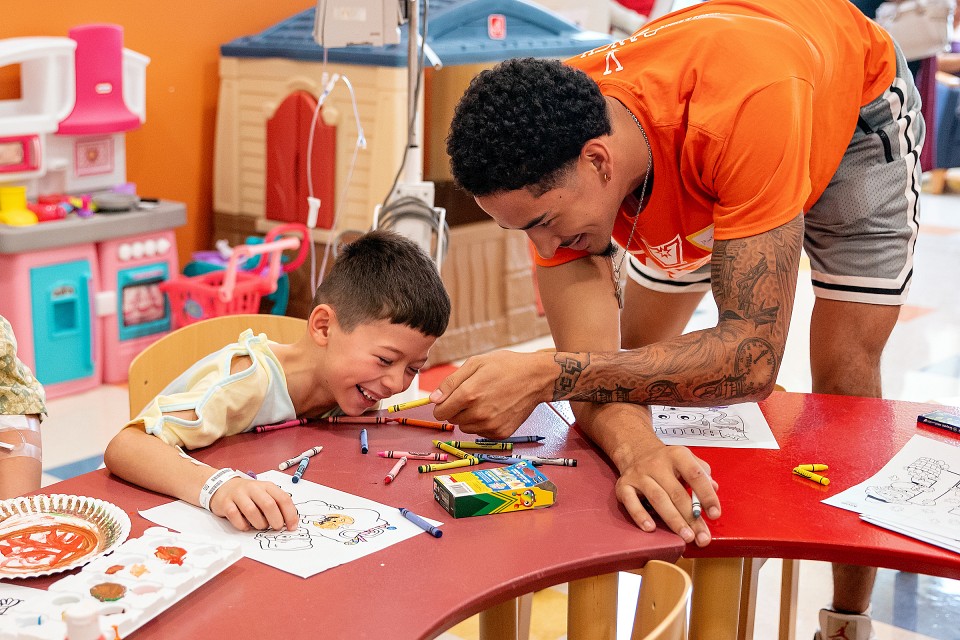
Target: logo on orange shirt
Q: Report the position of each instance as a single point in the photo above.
(668, 254)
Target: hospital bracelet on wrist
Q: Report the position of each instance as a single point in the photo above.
(217, 480)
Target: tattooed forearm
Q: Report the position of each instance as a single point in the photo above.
(571, 366)
(754, 282)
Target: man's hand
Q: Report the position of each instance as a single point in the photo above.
(491, 395)
(255, 504)
(652, 479)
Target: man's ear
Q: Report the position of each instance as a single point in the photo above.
(596, 152)
(322, 320)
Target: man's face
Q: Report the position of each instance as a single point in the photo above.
(579, 213)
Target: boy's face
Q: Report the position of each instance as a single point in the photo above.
(372, 362)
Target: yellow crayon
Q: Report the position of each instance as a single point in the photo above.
(813, 467)
(466, 462)
(408, 405)
(452, 450)
(466, 444)
(809, 475)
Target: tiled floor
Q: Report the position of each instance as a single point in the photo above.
(922, 363)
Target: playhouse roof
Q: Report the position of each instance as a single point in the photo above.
(456, 31)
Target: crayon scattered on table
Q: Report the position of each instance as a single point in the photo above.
(429, 424)
(810, 475)
(420, 522)
(492, 446)
(813, 467)
(390, 477)
(301, 468)
(360, 420)
(465, 462)
(561, 462)
(281, 425)
(486, 457)
(309, 453)
(408, 405)
(363, 441)
(513, 439)
(414, 455)
(452, 450)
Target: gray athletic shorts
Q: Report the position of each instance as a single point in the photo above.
(860, 234)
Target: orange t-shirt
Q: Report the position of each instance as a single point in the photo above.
(749, 108)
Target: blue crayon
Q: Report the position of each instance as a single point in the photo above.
(486, 457)
(420, 522)
(363, 441)
(513, 439)
(300, 469)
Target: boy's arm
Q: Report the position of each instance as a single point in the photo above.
(151, 463)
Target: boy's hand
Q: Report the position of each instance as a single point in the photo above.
(255, 504)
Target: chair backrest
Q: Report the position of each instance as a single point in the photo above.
(164, 360)
(663, 602)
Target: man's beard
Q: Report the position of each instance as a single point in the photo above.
(609, 251)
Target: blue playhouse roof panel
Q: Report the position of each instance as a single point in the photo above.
(456, 31)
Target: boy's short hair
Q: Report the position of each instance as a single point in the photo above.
(384, 276)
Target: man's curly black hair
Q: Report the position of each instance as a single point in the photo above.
(522, 124)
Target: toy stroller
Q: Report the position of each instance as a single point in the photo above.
(235, 289)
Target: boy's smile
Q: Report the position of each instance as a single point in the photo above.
(374, 361)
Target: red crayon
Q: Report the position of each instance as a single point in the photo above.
(360, 420)
(440, 457)
(430, 424)
(396, 469)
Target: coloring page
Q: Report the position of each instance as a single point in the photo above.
(16, 600)
(335, 527)
(737, 426)
(916, 493)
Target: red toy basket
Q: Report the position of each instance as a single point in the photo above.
(231, 291)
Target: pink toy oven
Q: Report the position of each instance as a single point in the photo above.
(83, 295)
(134, 267)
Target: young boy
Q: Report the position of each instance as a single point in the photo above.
(374, 319)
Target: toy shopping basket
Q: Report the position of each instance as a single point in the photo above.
(232, 290)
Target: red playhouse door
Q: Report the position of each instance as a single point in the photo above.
(287, 141)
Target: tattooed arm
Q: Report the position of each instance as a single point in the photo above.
(754, 283)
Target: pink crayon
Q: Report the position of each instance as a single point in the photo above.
(441, 457)
(281, 425)
(396, 469)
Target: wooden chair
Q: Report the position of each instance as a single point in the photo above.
(663, 602)
(171, 355)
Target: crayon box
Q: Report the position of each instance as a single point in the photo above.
(518, 487)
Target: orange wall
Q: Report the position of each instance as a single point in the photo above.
(171, 155)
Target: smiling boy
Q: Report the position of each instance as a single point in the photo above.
(374, 319)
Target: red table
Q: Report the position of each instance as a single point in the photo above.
(770, 513)
(416, 588)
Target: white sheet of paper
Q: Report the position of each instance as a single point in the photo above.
(917, 491)
(335, 527)
(737, 426)
(16, 599)
(949, 544)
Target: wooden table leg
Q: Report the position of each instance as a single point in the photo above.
(789, 583)
(715, 609)
(499, 622)
(592, 608)
(748, 597)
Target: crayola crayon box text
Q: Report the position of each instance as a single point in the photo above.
(518, 487)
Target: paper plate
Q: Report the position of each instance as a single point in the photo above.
(45, 534)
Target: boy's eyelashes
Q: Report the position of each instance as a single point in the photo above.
(387, 362)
